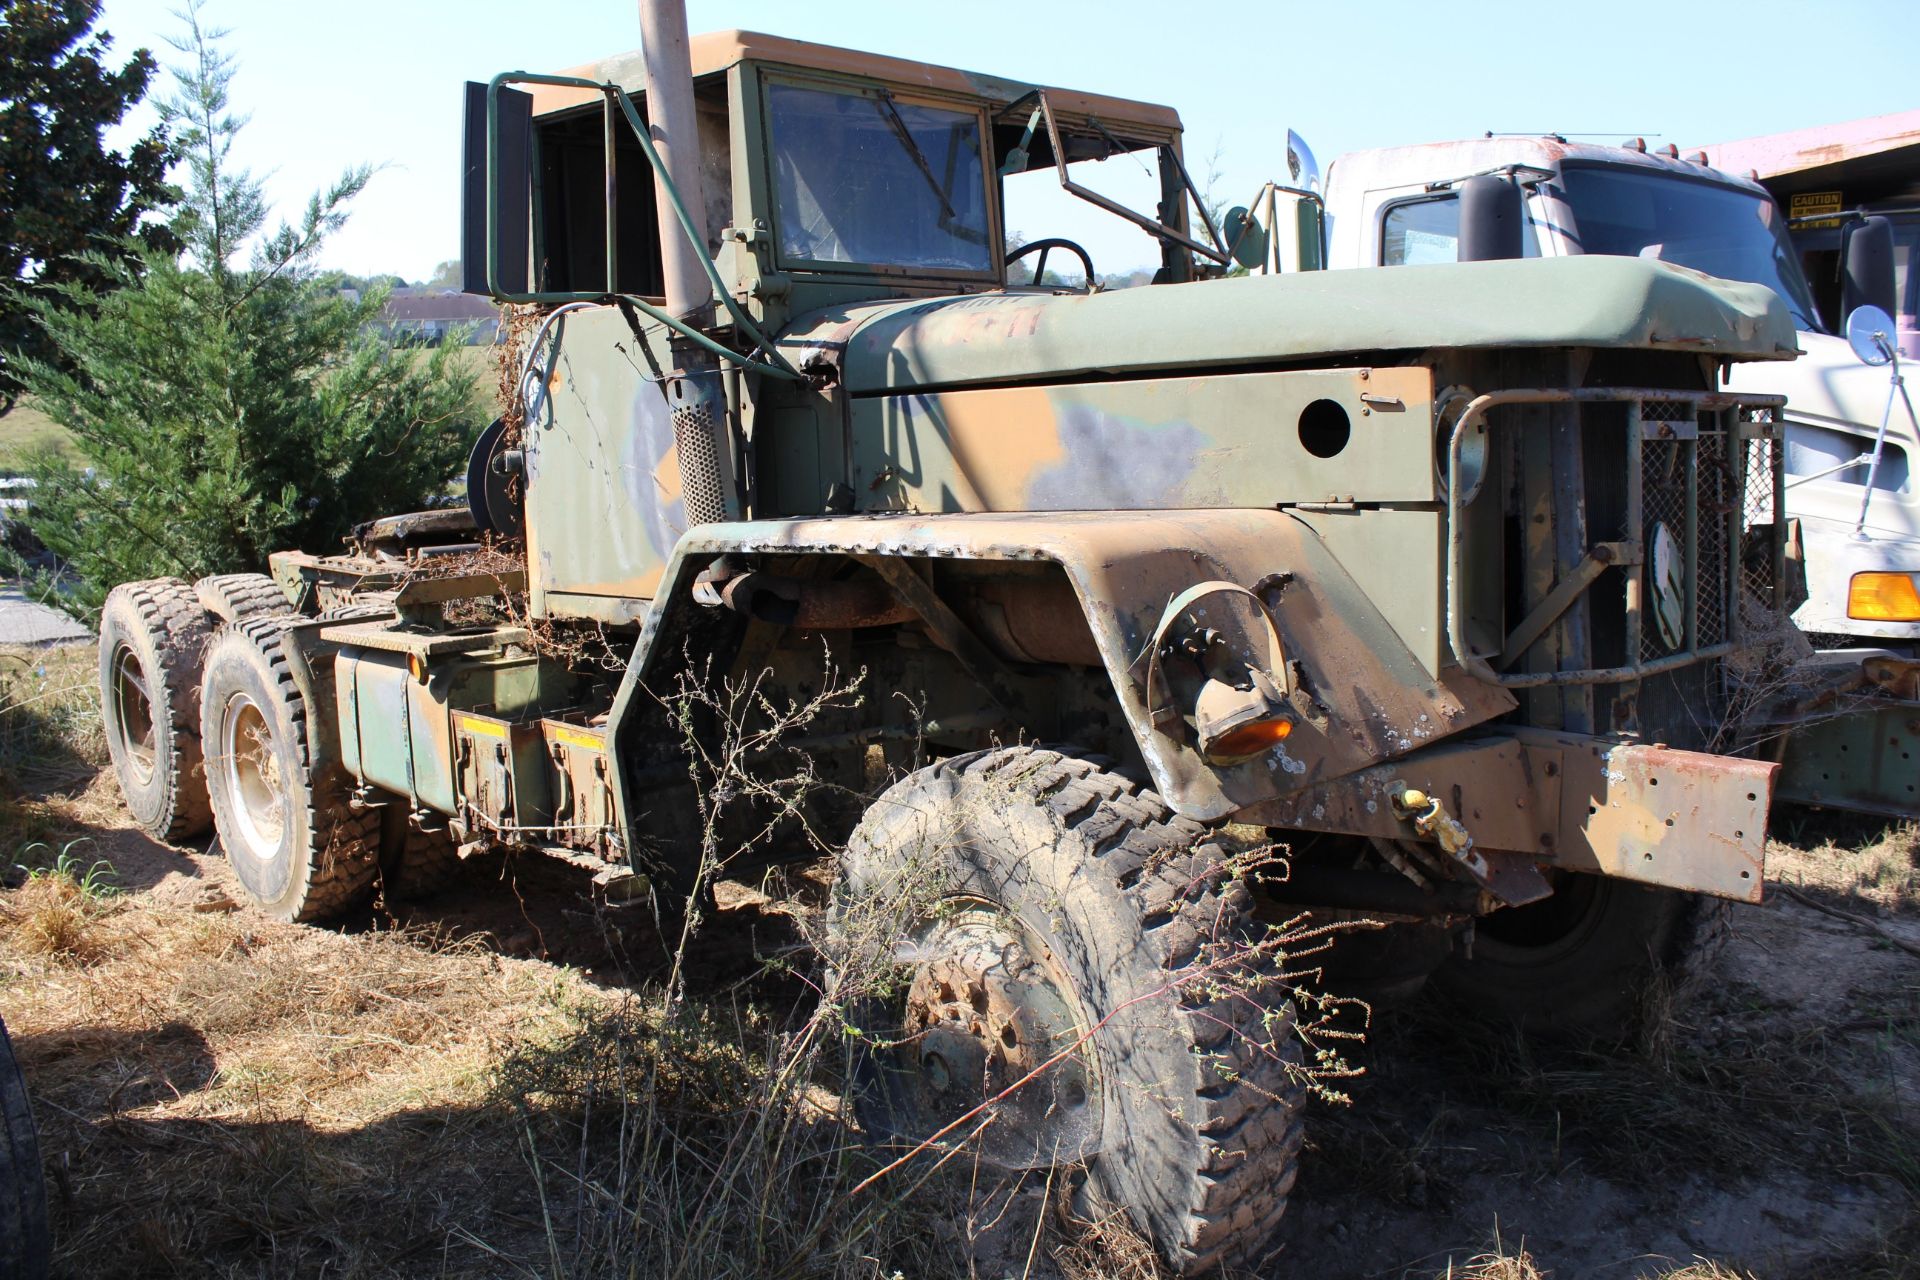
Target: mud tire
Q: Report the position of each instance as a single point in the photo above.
(299, 851)
(414, 864)
(153, 641)
(1201, 1125)
(26, 1247)
(235, 597)
(1589, 970)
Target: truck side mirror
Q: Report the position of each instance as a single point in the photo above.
(508, 181)
(1866, 250)
(1492, 211)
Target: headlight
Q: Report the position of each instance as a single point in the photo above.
(1884, 597)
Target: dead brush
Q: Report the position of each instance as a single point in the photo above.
(1498, 1262)
(695, 1136)
(57, 906)
(1850, 861)
(50, 728)
(1742, 1098)
(224, 1095)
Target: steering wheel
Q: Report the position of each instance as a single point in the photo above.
(1044, 247)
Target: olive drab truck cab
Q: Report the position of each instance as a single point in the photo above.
(1436, 576)
(1854, 509)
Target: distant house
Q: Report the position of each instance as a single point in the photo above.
(423, 317)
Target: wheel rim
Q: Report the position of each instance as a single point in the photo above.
(133, 725)
(982, 1014)
(251, 772)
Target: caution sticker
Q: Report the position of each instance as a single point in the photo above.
(1811, 204)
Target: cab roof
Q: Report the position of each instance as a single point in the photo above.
(1432, 161)
(716, 51)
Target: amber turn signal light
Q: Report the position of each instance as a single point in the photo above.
(1883, 597)
(1250, 739)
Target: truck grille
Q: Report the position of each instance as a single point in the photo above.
(1714, 493)
(1702, 513)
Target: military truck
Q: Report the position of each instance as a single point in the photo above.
(1432, 576)
(1849, 494)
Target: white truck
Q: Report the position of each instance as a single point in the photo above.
(1858, 519)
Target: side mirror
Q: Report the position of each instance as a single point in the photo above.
(507, 184)
(1866, 250)
(1871, 334)
(1302, 168)
(1492, 216)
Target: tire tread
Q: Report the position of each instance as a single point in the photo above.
(342, 852)
(179, 631)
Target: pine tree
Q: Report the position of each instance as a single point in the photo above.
(62, 192)
(230, 410)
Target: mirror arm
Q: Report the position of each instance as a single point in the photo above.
(1149, 225)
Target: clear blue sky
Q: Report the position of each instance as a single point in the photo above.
(351, 81)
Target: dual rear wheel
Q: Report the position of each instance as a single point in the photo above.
(207, 727)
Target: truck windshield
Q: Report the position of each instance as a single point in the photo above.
(1721, 230)
(865, 178)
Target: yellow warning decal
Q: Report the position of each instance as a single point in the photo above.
(576, 738)
(481, 728)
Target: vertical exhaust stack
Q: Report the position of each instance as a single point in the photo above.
(702, 438)
(676, 134)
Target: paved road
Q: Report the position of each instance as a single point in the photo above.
(27, 621)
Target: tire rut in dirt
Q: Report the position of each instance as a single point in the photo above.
(153, 641)
(299, 850)
(1199, 1079)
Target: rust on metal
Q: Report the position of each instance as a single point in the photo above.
(1363, 695)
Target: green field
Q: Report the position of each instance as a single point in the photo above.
(25, 430)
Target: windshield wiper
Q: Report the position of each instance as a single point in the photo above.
(900, 131)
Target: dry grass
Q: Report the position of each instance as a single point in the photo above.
(220, 1095)
(1497, 1263)
(219, 1092)
(1850, 858)
(57, 910)
(50, 736)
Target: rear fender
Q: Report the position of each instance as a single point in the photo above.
(1360, 694)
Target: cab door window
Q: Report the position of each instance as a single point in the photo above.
(1417, 232)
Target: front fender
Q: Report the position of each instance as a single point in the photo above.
(1373, 698)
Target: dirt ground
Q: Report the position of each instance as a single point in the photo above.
(222, 1095)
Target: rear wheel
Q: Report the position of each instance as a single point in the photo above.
(234, 597)
(153, 640)
(299, 850)
(25, 1245)
(1067, 924)
(1584, 960)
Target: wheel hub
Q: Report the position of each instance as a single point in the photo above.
(253, 778)
(133, 706)
(983, 1015)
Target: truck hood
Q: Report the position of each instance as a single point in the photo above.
(1550, 302)
(1826, 385)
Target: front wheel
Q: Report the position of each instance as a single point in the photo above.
(1069, 958)
(299, 850)
(1583, 960)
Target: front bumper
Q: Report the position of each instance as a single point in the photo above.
(1608, 806)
